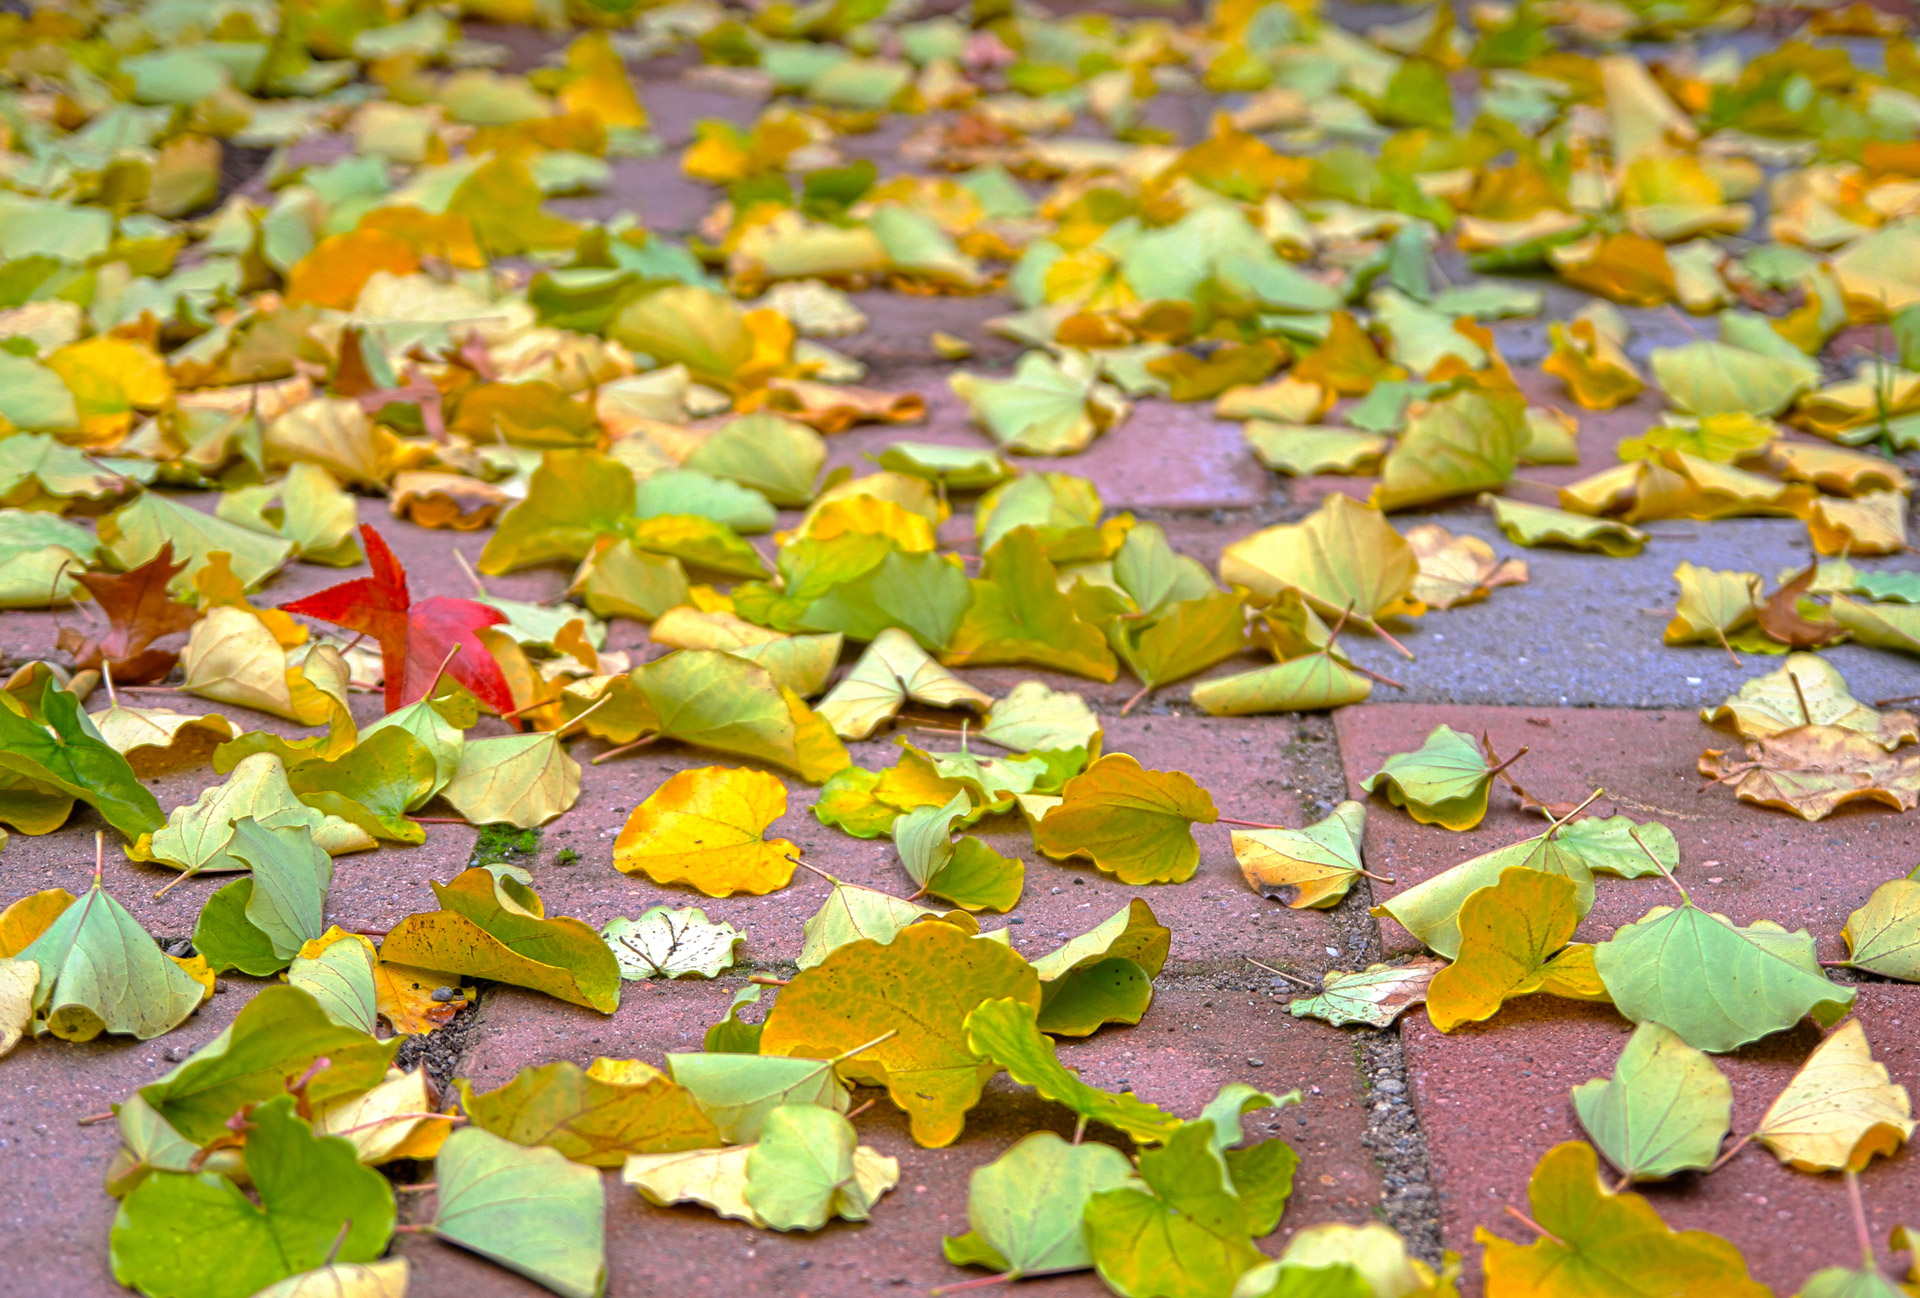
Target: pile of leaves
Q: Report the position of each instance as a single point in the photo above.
(269, 260)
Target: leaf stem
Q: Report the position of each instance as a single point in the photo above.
(886, 1036)
(598, 704)
(1141, 693)
(1658, 864)
(1721, 635)
(1806, 713)
(1597, 793)
(1727, 1157)
(1247, 824)
(623, 749)
(1382, 677)
(106, 678)
(1533, 1225)
(1295, 979)
(860, 1109)
(1524, 750)
(1861, 1231)
(467, 568)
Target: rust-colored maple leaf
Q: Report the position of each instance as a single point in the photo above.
(1781, 619)
(139, 611)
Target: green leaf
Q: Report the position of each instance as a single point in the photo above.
(1617, 845)
(443, 740)
(273, 1041)
(339, 975)
(229, 939)
(1036, 718)
(1839, 1282)
(573, 498)
(801, 1175)
(1665, 1110)
(290, 879)
(733, 1035)
(530, 1210)
(957, 468)
(1883, 936)
(1309, 683)
(847, 802)
(1706, 377)
(689, 493)
(738, 1091)
(1019, 615)
(386, 773)
(1027, 1207)
(1717, 986)
(197, 834)
(923, 594)
(519, 780)
(197, 1235)
(1443, 783)
(852, 913)
(1185, 1236)
(77, 761)
(1153, 576)
(1045, 407)
(1005, 1032)
(135, 532)
(778, 458)
(1105, 975)
(668, 943)
(101, 972)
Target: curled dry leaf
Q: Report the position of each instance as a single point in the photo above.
(1815, 770)
(1840, 1110)
(1458, 569)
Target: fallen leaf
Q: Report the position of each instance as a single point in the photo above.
(388, 1122)
(1005, 1033)
(1597, 1240)
(1019, 614)
(99, 971)
(1036, 718)
(1717, 986)
(317, 1205)
(805, 1170)
(920, 987)
(1713, 605)
(1812, 771)
(337, 970)
(1873, 523)
(1132, 823)
(1459, 445)
(738, 1091)
(1046, 407)
(1458, 570)
(1665, 1110)
(589, 1118)
(417, 641)
(892, 670)
(139, 611)
(1508, 933)
(1807, 690)
(1376, 996)
(1887, 626)
(530, 1210)
(490, 927)
(1343, 559)
(1839, 1111)
(1310, 867)
(720, 1179)
(1444, 782)
(519, 780)
(1534, 525)
(1026, 1208)
(67, 754)
(666, 943)
(1883, 936)
(1105, 975)
(704, 828)
(1184, 1232)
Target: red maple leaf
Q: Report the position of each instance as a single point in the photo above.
(414, 639)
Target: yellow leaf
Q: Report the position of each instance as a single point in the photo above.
(1874, 523)
(1461, 444)
(338, 268)
(385, 1123)
(1597, 371)
(1458, 570)
(592, 1116)
(892, 670)
(1713, 605)
(1840, 1109)
(597, 84)
(111, 378)
(1532, 525)
(1507, 933)
(1344, 558)
(1019, 615)
(1347, 363)
(1311, 867)
(704, 828)
(915, 992)
(1600, 1243)
(404, 997)
(28, 917)
(1807, 690)
(1836, 469)
(1630, 269)
(1132, 823)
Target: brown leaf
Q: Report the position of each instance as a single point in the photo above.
(1813, 770)
(139, 611)
(1780, 616)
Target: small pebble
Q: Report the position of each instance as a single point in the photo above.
(443, 994)
(1015, 919)
(1392, 1086)
(1252, 1062)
